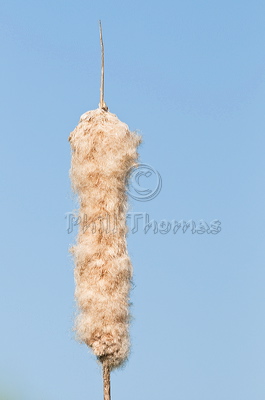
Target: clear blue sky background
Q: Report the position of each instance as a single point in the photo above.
(189, 75)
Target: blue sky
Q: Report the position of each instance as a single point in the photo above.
(189, 76)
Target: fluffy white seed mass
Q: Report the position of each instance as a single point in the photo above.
(103, 152)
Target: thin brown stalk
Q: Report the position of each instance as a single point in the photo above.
(106, 382)
(102, 103)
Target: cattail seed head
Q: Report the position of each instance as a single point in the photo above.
(103, 152)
